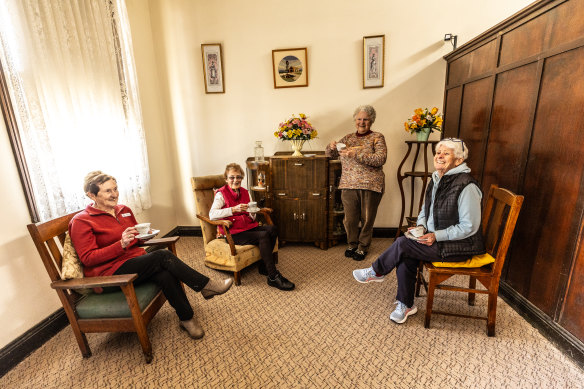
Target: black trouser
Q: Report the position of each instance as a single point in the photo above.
(405, 255)
(265, 237)
(167, 271)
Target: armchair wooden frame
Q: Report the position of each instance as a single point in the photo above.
(45, 236)
(204, 192)
(501, 204)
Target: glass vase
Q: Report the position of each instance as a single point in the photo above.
(259, 152)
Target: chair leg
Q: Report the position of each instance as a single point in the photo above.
(79, 336)
(419, 276)
(491, 313)
(472, 284)
(429, 299)
(138, 320)
(237, 278)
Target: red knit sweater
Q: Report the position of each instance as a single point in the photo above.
(241, 220)
(96, 236)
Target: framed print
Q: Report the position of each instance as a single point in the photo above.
(213, 68)
(373, 61)
(290, 68)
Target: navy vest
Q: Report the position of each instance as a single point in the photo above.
(446, 214)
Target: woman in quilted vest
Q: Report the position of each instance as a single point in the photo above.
(106, 241)
(231, 203)
(448, 227)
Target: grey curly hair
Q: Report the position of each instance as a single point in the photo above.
(369, 110)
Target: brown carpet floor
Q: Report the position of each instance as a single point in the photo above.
(331, 332)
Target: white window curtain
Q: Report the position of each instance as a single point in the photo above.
(70, 72)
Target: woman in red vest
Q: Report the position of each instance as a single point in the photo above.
(231, 203)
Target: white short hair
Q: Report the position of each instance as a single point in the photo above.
(369, 110)
(459, 147)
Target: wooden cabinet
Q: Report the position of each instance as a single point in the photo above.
(296, 189)
(508, 94)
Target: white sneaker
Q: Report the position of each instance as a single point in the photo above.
(367, 275)
(401, 312)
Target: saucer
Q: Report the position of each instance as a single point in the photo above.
(253, 210)
(148, 236)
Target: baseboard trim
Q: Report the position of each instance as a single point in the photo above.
(560, 337)
(17, 350)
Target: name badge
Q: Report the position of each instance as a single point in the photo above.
(126, 214)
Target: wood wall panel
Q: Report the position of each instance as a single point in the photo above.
(473, 120)
(507, 149)
(550, 218)
(568, 23)
(452, 112)
(525, 41)
(571, 317)
(475, 63)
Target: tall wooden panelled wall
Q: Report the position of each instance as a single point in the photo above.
(515, 95)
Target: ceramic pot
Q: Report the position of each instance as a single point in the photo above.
(297, 147)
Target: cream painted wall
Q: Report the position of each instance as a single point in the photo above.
(212, 130)
(190, 133)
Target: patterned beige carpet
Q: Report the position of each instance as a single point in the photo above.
(331, 332)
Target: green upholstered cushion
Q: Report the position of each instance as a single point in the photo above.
(114, 304)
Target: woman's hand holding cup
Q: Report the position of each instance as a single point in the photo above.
(128, 236)
(239, 208)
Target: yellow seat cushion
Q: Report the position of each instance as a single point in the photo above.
(218, 255)
(476, 261)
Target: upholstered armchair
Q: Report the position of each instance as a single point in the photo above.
(220, 252)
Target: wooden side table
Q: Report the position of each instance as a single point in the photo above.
(413, 174)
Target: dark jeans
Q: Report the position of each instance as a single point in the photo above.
(167, 271)
(404, 255)
(265, 238)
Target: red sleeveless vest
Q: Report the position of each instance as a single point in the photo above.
(241, 220)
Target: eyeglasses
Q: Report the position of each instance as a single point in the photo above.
(456, 140)
(233, 178)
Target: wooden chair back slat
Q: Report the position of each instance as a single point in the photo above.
(55, 252)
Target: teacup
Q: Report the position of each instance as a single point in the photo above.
(252, 205)
(142, 228)
(341, 146)
(417, 231)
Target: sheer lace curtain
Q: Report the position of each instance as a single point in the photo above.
(70, 72)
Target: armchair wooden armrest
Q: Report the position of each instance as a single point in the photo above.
(94, 282)
(166, 242)
(226, 224)
(266, 212)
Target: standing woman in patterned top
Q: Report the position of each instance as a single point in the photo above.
(362, 179)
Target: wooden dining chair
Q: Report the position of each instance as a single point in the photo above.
(128, 310)
(499, 218)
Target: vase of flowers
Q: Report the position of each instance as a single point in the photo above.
(297, 130)
(424, 122)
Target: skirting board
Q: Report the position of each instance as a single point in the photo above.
(562, 339)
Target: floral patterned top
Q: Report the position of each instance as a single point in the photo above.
(365, 171)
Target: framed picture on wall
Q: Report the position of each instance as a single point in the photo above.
(290, 68)
(373, 61)
(213, 68)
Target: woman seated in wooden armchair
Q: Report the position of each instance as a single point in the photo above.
(231, 203)
(104, 237)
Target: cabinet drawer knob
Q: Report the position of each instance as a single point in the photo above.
(281, 194)
(298, 164)
(316, 194)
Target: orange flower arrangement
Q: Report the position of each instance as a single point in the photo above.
(424, 118)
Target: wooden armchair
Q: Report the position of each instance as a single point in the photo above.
(222, 253)
(128, 310)
(499, 218)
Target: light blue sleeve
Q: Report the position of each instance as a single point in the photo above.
(469, 216)
(422, 217)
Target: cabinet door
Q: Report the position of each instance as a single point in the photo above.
(286, 218)
(312, 220)
(300, 175)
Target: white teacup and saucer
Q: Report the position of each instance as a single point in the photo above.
(252, 207)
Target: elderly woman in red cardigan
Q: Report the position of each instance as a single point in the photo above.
(106, 241)
(231, 203)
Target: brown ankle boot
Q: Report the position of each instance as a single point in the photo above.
(193, 328)
(214, 287)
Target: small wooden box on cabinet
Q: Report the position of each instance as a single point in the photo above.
(298, 190)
